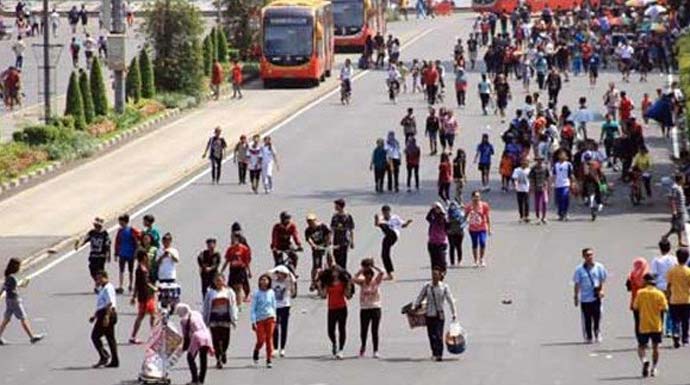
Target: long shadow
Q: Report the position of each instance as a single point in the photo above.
(417, 359)
(75, 368)
(75, 294)
(621, 350)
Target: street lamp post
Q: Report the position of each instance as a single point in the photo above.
(118, 32)
(46, 64)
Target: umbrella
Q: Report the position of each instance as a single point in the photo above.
(639, 3)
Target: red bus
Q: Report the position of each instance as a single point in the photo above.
(354, 20)
(535, 5)
(296, 41)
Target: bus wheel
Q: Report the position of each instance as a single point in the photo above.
(268, 83)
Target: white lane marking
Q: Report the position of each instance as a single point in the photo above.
(186, 184)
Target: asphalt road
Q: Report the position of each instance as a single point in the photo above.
(324, 154)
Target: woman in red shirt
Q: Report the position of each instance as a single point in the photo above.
(445, 177)
(336, 282)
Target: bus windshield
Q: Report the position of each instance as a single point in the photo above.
(348, 14)
(288, 36)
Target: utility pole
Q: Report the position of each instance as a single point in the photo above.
(118, 32)
(46, 63)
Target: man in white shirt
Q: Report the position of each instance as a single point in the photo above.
(167, 259)
(521, 182)
(626, 54)
(54, 22)
(391, 225)
(104, 320)
(346, 74)
(89, 49)
(660, 266)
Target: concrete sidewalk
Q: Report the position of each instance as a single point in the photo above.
(43, 215)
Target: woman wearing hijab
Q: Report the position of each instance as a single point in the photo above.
(636, 282)
(393, 155)
(456, 231)
(197, 341)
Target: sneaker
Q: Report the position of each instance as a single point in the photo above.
(654, 372)
(600, 207)
(598, 339)
(113, 364)
(219, 365)
(376, 355)
(256, 362)
(2, 342)
(134, 341)
(269, 365)
(119, 290)
(334, 350)
(339, 355)
(645, 369)
(676, 342)
(282, 352)
(361, 352)
(36, 338)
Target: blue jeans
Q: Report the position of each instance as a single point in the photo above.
(562, 200)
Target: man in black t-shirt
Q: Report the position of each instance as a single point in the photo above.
(99, 242)
(343, 228)
(318, 235)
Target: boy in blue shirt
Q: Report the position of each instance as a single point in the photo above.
(126, 245)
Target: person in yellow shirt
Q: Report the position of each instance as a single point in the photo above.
(642, 164)
(650, 303)
(678, 291)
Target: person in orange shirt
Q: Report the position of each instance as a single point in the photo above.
(646, 103)
(238, 257)
(236, 80)
(216, 79)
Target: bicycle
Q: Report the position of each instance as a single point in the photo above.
(290, 262)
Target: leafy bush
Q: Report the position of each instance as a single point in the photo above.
(208, 56)
(176, 100)
(174, 28)
(73, 145)
(127, 119)
(101, 126)
(37, 135)
(149, 107)
(62, 122)
(221, 46)
(233, 53)
(16, 157)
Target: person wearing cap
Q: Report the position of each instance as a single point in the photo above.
(99, 242)
(209, 262)
(343, 228)
(390, 224)
(650, 303)
(197, 341)
(167, 259)
(238, 258)
(283, 284)
(284, 233)
(318, 236)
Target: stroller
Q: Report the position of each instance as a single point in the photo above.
(163, 350)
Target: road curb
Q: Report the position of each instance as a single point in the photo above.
(52, 167)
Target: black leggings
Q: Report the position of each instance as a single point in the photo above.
(591, 315)
(444, 190)
(242, 172)
(523, 204)
(281, 329)
(337, 317)
(198, 375)
(460, 94)
(413, 170)
(367, 316)
(389, 239)
(455, 244)
(379, 173)
(221, 340)
(215, 168)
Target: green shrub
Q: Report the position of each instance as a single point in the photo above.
(213, 37)
(72, 145)
(128, 118)
(100, 99)
(62, 122)
(37, 135)
(176, 100)
(148, 85)
(133, 82)
(233, 53)
(208, 56)
(75, 103)
(16, 157)
(251, 69)
(86, 96)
